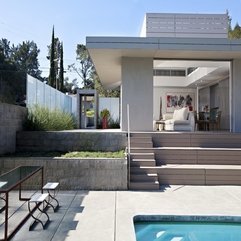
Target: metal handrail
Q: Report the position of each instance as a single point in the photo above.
(129, 143)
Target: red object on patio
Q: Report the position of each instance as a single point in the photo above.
(104, 123)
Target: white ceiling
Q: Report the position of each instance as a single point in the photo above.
(207, 73)
(107, 54)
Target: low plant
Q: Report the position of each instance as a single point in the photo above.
(44, 119)
(114, 123)
(90, 113)
(105, 113)
(95, 154)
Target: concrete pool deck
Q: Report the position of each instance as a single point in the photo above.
(108, 215)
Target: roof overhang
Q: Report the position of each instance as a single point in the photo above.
(107, 52)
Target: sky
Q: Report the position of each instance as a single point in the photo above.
(73, 20)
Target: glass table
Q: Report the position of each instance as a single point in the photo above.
(10, 181)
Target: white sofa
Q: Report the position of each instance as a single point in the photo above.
(181, 120)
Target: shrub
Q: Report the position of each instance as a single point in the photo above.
(43, 119)
(114, 124)
(105, 113)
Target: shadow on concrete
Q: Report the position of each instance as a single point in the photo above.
(61, 222)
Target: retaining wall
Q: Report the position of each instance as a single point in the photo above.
(74, 173)
(70, 141)
(11, 121)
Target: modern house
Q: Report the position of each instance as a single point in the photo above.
(175, 55)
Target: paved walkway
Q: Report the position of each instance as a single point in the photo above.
(108, 215)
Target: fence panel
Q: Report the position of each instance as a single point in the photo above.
(112, 104)
(46, 96)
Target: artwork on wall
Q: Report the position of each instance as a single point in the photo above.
(179, 100)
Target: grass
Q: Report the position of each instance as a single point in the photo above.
(44, 119)
(75, 154)
(90, 154)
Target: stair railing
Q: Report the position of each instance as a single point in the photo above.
(128, 145)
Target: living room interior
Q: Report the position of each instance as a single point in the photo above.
(201, 85)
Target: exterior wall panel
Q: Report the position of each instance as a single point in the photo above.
(137, 91)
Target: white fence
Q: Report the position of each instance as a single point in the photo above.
(112, 104)
(39, 93)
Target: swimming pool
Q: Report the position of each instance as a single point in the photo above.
(187, 228)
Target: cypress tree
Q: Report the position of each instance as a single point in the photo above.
(52, 73)
(61, 70)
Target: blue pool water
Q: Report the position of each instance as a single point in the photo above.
(187, 231)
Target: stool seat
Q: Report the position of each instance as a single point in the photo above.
(50, 186)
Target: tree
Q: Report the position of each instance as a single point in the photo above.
(61, 69)
(105, 92)
(25, 57)
(56, 73)
(70, 87)
(5, 49)
(86, 67)
(87, 73)
(52, 71)
(12, 80)
(233, 33)
(236, 32)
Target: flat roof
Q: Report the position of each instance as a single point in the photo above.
(107, 52)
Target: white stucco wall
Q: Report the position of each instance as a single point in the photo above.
(137, 91)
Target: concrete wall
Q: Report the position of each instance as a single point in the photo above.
(137, 91)
(65, 141)
(74, 174)
(236, 97)
(11, 120)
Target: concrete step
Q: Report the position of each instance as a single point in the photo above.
(197, 139)
(143, 162)
(144, 186)
(196, 155)
(142, 156)
(143, 170)
(141, 139)
(183, 174)
(141, 135)
(193, 155)
(144, 177)
(141, 145)
(142, 149)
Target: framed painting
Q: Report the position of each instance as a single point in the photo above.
(179, 100)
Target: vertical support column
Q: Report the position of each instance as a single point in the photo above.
(235, 98)
(137, 91)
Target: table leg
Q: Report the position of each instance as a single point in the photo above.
(6, 218)
(4, 206)
(42, 179)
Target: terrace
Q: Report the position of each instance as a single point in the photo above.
(101, 215)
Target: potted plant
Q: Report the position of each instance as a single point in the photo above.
(104, 114)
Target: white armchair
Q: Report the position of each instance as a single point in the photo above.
(180, 120)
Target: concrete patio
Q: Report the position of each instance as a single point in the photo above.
(108, 215)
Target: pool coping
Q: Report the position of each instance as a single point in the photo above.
(187, 218)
